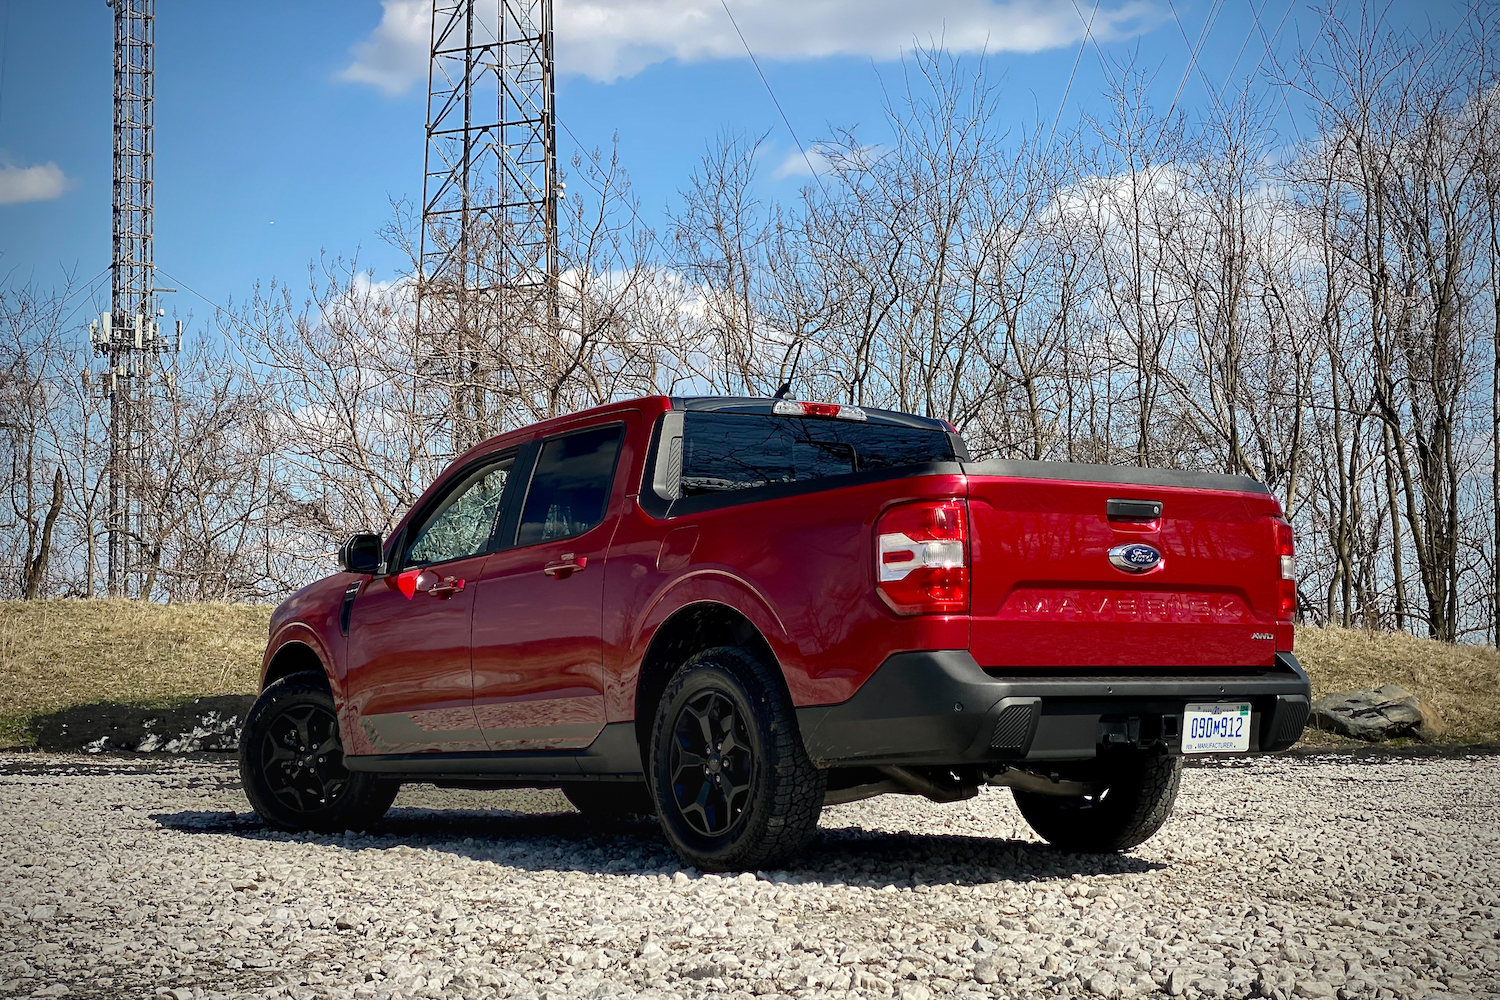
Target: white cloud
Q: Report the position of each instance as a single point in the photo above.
(609, 39)
(395, 55)
(797, 165)
(822, 159)
(606, 40)
(42, 182)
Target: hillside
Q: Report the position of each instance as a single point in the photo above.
(55, 654)
(1461, 682)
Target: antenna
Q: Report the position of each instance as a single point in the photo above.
(786, 386)
(127, 334)
(489, 193)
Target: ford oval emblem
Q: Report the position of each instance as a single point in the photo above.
(1134, 557)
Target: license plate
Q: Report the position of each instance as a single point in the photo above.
(1221, 728)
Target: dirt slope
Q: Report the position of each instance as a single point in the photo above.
(56, 654)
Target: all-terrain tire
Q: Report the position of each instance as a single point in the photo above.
(606, 800)
(1137, 795)
(737, 703)
(292, 763)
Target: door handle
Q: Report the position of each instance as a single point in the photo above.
(446, 588)
(567, 566)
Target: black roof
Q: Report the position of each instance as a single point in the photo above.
(763, 407)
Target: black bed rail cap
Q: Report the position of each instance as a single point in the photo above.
(1128, 475)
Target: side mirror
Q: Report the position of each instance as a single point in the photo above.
(360, 554)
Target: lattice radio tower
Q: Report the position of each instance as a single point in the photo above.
(129, 334)
(489, 192)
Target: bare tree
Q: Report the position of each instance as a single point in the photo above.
(1142, 288)
(31, 323)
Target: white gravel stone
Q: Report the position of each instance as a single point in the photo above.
(1317, 878)
(1103, 984)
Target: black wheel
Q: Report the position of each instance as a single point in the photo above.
(292, 763)
(610, 799)
(1136, 796)
(732, 783)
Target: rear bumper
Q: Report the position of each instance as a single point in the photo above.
(941, 707)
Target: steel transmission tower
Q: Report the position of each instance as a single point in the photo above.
(128, 335)
(489, 193)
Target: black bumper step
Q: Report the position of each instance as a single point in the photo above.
(941, 707)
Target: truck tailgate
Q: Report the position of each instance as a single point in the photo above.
(1046, 594)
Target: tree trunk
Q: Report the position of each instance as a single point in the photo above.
(1397, 569)
(1495, 458)
(36, 569)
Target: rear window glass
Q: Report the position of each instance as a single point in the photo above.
(570, 488)
(738, 451)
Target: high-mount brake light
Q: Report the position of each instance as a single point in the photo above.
(796, 408)
(922, 558)
(1286, 594)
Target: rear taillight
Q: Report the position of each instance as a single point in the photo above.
(922, 558)
(1286, 593)
(796, 408)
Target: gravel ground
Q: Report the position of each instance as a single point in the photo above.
(1313, 877)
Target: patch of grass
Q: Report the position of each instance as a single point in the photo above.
(1462, 683)
(54, 654)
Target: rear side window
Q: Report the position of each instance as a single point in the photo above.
(570, 487)
(738, 451)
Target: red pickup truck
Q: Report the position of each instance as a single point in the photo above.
(729, 612)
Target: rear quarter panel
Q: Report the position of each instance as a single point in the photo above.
(801, 568)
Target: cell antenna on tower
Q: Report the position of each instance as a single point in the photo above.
(489, 194)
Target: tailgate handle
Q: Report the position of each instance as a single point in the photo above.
(1132, 510)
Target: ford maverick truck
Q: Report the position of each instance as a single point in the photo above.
(731, 612)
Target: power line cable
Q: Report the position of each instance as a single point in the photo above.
(228, 314)
(91, 283)
(86, 286)
(785, 121)
(600, 192)
(1193, 52)
(1083, 44)
(1093, 40)
(1254, 24)
(83, 287)
(1286, 88)
(1267, 45)
(650, 231)
(1269, 42)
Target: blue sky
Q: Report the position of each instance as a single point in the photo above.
(285, 129)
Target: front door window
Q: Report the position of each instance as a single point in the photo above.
(462, 524)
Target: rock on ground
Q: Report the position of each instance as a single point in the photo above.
(1311, 877)
(1383, 713)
